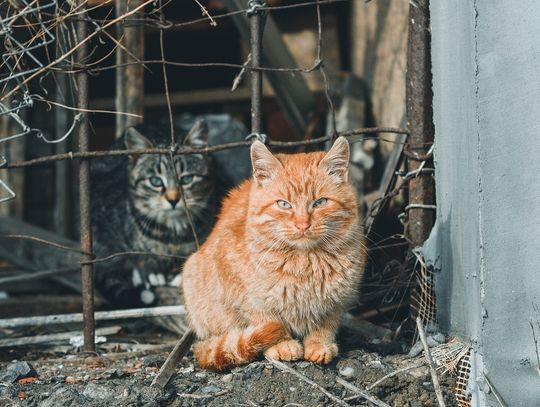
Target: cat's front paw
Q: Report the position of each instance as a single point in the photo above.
(286, 350)
(320, 353)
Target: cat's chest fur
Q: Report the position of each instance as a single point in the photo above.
(307, 287)
(142, 242)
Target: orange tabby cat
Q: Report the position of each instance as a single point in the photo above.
(281, 264)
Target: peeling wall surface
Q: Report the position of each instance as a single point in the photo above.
(485, 246)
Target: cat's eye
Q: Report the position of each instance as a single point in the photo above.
(186, 179)
(156, 182)
(320, 202)
(284, 204)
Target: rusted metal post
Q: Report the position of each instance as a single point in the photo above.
(87, 278)
(420, 123)
(256, 24)
(129, 78)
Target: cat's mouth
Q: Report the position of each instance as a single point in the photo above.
(304, 240)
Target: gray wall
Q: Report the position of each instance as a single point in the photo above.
(486, 243)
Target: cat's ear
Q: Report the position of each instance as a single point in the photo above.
(336, 161)
(263, 162)
(198, 135)
(134, 140)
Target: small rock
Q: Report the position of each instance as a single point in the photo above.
(237, 377)
(7, 391)
(95, 391)
(17, 370)
(210, 389)
(427, 385)
(188, 369)
(58, 379)
(113, 374)
(347, 371)
(227, 378)
(59, 396)
(303, 364)
(439, 338)
(432, 342)
(153, 361)
(200, 375)
(349, 367)
(416, 349)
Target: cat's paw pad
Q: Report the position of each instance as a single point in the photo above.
(320, 353)
(286, 350)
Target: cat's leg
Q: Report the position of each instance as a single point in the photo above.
(320, 344)
(287, 348)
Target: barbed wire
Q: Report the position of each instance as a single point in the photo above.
(16, 91)
(183, 150)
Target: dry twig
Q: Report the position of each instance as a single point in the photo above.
(432, 368)
(392, 374)
(202, 396)
(285, 368)
(205, 12)
(167, 370)
(361, 393)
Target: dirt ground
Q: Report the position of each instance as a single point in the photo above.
(122, 373)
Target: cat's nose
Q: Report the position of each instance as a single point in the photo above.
(302, 227)
(172, 196)
(173, 202)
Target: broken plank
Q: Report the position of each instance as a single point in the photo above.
(168, 368)
(99, 316)
(64, 336)
(36, 256)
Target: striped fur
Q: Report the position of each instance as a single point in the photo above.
(238, 346)
(138, 205)
(296, 264)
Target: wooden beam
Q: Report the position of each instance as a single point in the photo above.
(35, 256)
(129, 78)
(378, 55)
(64, 336)
(166, 310)
(183, 98)
(38, 303)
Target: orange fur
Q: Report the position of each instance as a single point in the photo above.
(268, 272)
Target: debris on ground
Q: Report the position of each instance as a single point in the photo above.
(121, 376)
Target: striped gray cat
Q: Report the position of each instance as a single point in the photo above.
(139, 204)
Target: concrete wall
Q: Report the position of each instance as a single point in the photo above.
(486, 243)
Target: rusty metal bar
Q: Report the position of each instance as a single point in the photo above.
(87, 283)
(420, 123)
(291, 91)
(256, 24)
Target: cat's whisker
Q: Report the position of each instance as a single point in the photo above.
(263, 257)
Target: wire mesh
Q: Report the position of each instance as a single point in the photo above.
(30, 30)
(53, 23)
